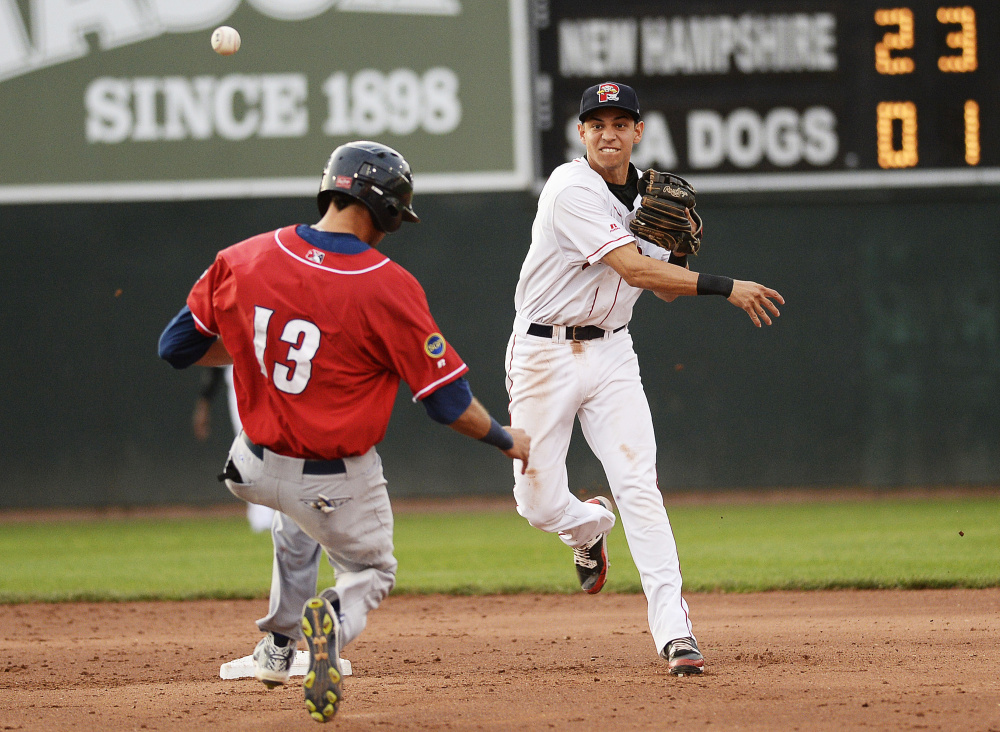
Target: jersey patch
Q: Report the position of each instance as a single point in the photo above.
(434, 346)
(315, 255)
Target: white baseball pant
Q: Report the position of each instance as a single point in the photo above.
(551, 382)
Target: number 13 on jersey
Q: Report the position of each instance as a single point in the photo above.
(303, 339)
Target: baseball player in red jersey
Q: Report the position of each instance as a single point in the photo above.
(570, 356)
(320, 328)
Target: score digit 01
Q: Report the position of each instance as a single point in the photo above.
(905, 113)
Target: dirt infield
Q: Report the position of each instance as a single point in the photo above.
(894, 660)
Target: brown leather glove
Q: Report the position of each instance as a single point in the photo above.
(666, 216)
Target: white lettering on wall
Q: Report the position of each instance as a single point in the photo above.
(59, 27)
(291, 9)
(109, 115)
(283, 105)
(749, 43)
(783, 136)
(188, 108)
(371, 103)
(235, 107)
(598, 47)
(183, 16)
(14, 41)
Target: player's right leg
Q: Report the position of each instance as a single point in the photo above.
(545, 384)
(294, 573)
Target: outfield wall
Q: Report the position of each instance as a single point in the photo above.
(884, 369)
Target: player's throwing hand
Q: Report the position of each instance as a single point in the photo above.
(756, 300)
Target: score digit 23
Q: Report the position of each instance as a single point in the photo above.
(896, 124)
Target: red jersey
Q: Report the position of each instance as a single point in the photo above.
(319, 341)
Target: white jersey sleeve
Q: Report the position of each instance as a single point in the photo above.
(648, 249)
(582, 218)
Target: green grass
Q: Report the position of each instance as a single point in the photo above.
(736, 548)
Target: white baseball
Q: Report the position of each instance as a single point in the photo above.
(225, 40)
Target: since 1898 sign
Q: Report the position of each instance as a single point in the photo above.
(125, 99)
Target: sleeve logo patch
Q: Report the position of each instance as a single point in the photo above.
(435, 346)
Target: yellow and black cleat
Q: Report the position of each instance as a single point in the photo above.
(322, 681)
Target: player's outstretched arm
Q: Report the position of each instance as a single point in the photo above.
(477, 423)
(669, 281)
(201, 419)
(521, 448)
(666, 280)
(755, 299)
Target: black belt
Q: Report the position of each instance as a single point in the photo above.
(309, 467)
(573, 332)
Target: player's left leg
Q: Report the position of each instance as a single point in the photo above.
(294, 573)
(618, 426)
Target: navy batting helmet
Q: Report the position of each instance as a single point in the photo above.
(374, 174)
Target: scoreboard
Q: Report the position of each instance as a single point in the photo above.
(784, 95)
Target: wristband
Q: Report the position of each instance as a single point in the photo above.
(497, 436)
(709, 284)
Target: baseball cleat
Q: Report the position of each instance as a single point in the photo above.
(321, 684)
(272, 664)
(591, 559)
(683, 657)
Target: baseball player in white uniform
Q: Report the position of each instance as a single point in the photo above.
(570, 357)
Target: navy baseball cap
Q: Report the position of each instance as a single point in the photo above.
(609, 94)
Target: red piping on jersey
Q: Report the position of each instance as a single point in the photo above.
(594, 302)
(510, 381)
(202, 326)
(613, 241)
(430, 387)
(296, 257)
(617, 290)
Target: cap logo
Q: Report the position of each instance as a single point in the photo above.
(607, 92)
(343, 181)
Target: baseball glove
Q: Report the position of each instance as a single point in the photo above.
(666, 216)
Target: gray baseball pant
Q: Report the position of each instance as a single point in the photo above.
(355, 532)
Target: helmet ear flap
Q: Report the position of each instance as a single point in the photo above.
(323, 201)
(389, 218)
